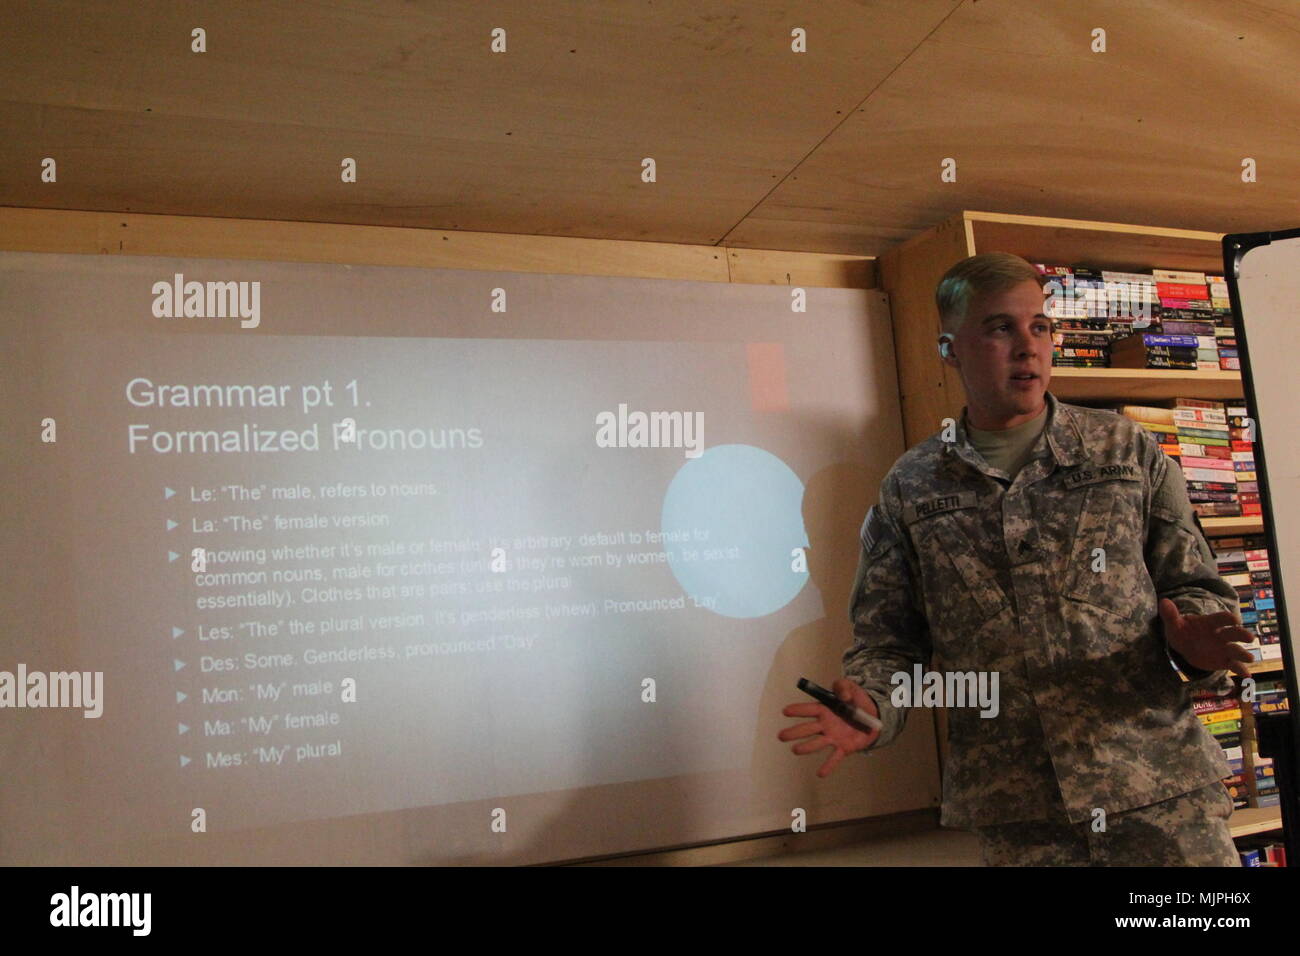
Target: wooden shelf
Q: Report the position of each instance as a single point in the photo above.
(1102, 245)
(1250, 820)
(1118, 384)
(1255, 667)
(1264, 667)
(1248, 524)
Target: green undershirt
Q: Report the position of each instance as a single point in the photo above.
(1007, 450)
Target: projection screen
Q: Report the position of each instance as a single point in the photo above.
(396, 565)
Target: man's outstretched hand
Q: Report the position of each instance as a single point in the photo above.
(830, 729)
(1207, 641)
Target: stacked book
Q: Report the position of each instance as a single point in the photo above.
(1205, 453)
(1185, 296)
(1076, 304)
(1270, 698)
(1194, 304)
(1213, 443)
(1266, 791)
(1162, 350)
(1243, 563)
(1159, 422)
(1224, 331)
(1241, 434)
(1133, 301)
(1221, 716)
(1263, 617)
(1262, 851)
(1162, 319)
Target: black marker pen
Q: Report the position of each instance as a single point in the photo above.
(845, 710)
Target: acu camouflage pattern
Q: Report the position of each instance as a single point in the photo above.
(1188, 830)
(990, 574)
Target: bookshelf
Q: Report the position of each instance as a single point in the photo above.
(931, 390)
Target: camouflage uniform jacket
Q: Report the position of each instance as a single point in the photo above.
(992, 574)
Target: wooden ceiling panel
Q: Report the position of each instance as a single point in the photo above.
(547, 138)
(834, 150)
(1152, 131)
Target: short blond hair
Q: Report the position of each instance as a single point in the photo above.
(987, 272)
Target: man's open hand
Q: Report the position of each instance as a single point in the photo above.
(1207, 640)
(830, 729)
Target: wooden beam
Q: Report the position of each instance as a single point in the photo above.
(105, 233)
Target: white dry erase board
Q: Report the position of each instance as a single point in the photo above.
(1263, 273)
(392, 565)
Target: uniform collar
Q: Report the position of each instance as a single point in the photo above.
(1062, 433)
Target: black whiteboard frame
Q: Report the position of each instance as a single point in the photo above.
(1285, 740)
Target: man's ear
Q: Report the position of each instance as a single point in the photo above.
(945, 348)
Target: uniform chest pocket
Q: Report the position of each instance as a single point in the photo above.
(1105, 565)
(961, 590)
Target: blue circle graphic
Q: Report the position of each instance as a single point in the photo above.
(741, 507)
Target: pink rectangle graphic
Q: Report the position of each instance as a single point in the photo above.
(767, 386)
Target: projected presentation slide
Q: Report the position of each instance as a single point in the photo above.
(319, 541)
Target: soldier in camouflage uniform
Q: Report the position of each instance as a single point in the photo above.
(1081, 579)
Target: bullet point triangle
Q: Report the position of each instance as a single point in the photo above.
(171, 524)
(178, 664)
(180, 696)
(172, 556)
(183, 728)
(184, 760)
(167, 493)
(177, 632)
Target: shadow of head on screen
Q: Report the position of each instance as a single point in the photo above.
(835, 502)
